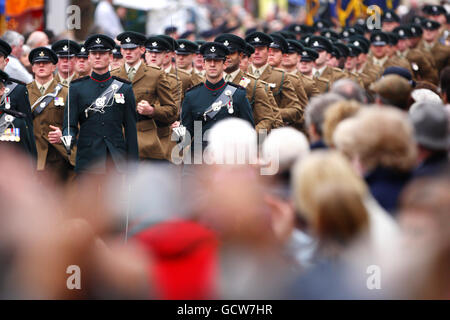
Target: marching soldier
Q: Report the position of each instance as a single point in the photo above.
(157, 50)
(214, 100)
(66, 51)
(155, 100)
(14, 128)
(102, 113)
(324, 48)
(306, 66)
(290, 62)
(257, 92)
(82, 65)
(280, 83)
(48, 99)
(117, 56)
(185, 53)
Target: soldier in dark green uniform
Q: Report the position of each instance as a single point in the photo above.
(14, 126)
(214, 100)
(104, 108)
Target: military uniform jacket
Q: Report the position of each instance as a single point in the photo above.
(112, 133)
(58, 78)
(258, 98)
(440, 53)
(18, 99)
(422, 67)
(309, 85)
(284, 93)
(51, 115)
(200, 98)
(151, 84)
(332, 74)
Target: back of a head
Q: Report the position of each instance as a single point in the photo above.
(349, 89)
(393, 90)
(13, 38)
(317, 170)
(334, 115)
(315, 110)
(232, 141)
(287, 145)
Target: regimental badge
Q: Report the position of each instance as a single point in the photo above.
(154, 44)
(304, 53)
(119, 98)
(316, 44)
(415, 67)
(435, 9)
(100, 102)
(377, 38)
(356, 43)
(115, 86)
(58, 102)
(114, 51)
(320, 25)
(182, 46)
(328, 35)
(345, 33)
(42, 105)
(256, 39)
(98, 41)
(272, 85)
(65, 48)
(128, 40)
(401, 33)
(297, 28)
(41, 54)
(244, 82)
(388, 15)
(212, 49)
(429, 24)
(83, 49)
(226, 43)
(413, 30)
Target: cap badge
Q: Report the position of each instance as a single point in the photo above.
(114, 51)
(401, 33)
(98, 41)
(83, 49)
(182, 46)
(316, 43)
(388, 15)
(154, 44)
(429, 24)
(226, 43)
(212, 49)
(377, 38)
(304, 53)
(65, 48)
(41, 54)
(328, 35)
(320, 24)
(297, 28)
(128, 40)
(435, 9)
(345, 33)
(413, 30)
(256, 39)
(356, 43)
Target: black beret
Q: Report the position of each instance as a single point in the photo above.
(42, 54)
(279, 42)
(99, 42)
(259, 39)
(294, 46)
(185, 47)
(214, 50)
(66, 48)
(319, 42)
(157, 44)
(309, 55)
(5, 48)
(131, 39)
(232, 42)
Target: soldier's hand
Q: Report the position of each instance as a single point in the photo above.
(55, 135)
(176, 124)
(145, 108)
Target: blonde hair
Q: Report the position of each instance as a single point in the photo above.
(330, 196)
(378, 136)
(336, 113)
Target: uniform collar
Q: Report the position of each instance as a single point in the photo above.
(45, 85)
(100, 77)
(321, 70)
(233, 74)
(136, 66)
(214, 86)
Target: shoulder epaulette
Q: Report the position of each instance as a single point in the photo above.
(121, 79)
(322, 79)
(171, 75)
(17, 81)
(193, 87)
(80, 79)
(246, 74)
(236, 85)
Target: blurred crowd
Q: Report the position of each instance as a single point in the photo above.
(358, 208)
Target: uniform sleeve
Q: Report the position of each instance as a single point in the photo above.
(245, 110)
(23, 104)
(290, 108)
(186, 116)
(129, 125)
(71, 111)
(262, 110)
(167, 110)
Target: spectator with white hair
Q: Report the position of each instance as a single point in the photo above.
(315, 115)
(37, 39)
(14, 68)
(349, 89)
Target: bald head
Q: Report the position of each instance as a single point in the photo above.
(37, 39)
